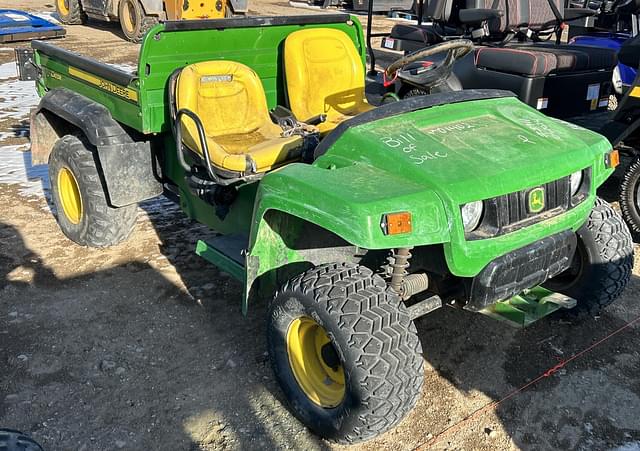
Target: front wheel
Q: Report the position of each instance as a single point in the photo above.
(601, 266)
(134, 21)
(630, 196)
(83, 212)
(345, 352)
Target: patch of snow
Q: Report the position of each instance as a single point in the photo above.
(8, 70)
(16, 168)
(51, 16)
(631, 446)
(16, 97)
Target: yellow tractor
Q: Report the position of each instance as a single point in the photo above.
(136, 17)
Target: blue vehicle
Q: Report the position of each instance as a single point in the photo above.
(623, 75)
(615, 24)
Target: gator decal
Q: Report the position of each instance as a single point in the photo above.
(108, 86)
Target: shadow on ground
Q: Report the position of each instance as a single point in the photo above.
(124, 358)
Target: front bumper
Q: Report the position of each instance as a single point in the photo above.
(527, 267)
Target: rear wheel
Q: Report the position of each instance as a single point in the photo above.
(70, 12)
(345, 352)
(83, 212)
(602, 264)
(134, 21)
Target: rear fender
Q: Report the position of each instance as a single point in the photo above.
(127, 167)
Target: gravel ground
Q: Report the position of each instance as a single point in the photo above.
(143, 347)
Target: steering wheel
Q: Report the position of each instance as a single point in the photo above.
(437, 70)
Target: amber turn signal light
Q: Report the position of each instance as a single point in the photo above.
(612, 159)
(396, 223)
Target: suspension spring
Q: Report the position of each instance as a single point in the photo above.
(399, 265)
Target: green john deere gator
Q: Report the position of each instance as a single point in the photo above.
(354, 219)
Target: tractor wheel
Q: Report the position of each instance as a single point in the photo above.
(70, 12)
(630, 196)
(601, 266)
(345, 352)
(83, 212)
(134, 21)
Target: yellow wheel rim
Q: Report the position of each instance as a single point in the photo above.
(69, 195)
(63, 7)
(314, 363)
(128, 18)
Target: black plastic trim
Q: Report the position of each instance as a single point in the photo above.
(92, 118)
(523, 268)
(407, 106)
(90, 65)
(253, 22)
(126, 166)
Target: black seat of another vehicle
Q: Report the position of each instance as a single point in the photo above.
(410, 37)
(544, 59)
(517, 50)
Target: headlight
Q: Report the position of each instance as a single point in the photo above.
(576, 181)
(471, 215)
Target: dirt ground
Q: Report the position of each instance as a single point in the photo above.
(143, 347)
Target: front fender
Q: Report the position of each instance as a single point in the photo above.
(350, 201)
(305, 215)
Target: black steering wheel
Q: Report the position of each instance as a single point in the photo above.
(435, 71)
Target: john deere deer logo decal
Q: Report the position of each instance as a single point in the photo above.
(536, 200)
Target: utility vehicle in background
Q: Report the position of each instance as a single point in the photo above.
(136, 17)
(353, 219)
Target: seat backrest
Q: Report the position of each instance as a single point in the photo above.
(324, 73)
(540, 13)
(227, 96)
(511, 13)
(536, 15)
(438, 10)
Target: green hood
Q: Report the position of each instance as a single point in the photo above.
(471, 150)
(429, 162)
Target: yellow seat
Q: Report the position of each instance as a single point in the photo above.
(229, 99)
(324, 75)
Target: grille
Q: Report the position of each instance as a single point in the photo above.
(513, 207)
(509, 212)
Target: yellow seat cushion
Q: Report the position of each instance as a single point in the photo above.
(324, 75)
(229, 99)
